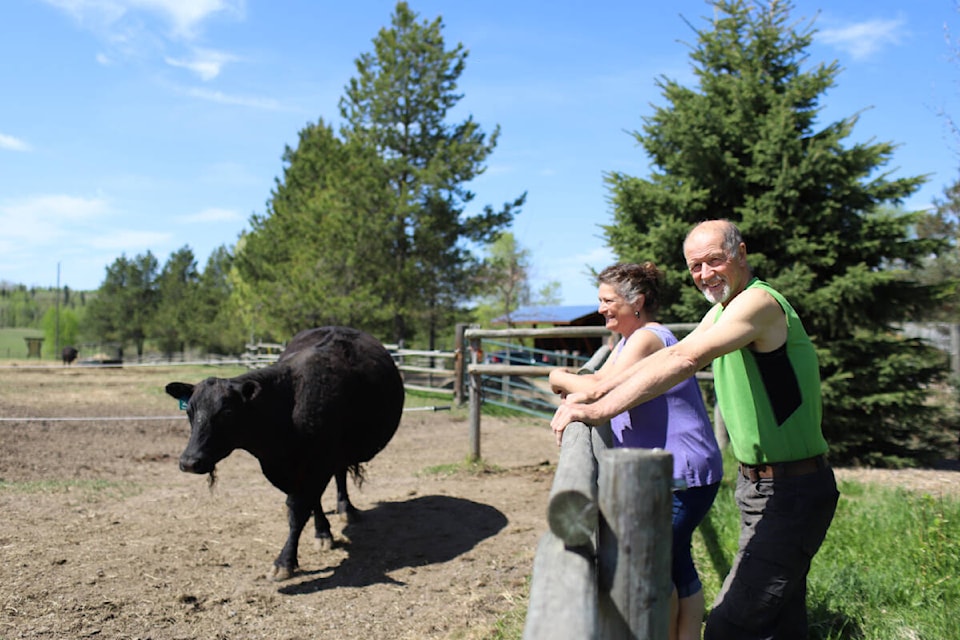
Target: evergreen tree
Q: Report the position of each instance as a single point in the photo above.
(321, 254)
(942, 269)
(745, 144)
(399, 105)
(220, 326)
(175, 324)
(125, 302)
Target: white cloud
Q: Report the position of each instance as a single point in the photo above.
(267, 104)
(185, 17)
(54, 207)
(205, 63)
(91, 14)
(863, 39)
(13, 144)
(44, 219)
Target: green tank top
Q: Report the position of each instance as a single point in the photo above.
(770, 402)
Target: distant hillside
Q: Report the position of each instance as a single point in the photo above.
(24, 307)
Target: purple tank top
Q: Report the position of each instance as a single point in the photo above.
(676, 421)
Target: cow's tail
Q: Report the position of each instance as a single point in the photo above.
(358, 473)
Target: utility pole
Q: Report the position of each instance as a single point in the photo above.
(56, 342)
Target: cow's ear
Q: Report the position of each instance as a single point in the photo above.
(249, 390)
(179, 390)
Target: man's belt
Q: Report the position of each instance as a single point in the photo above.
(792, 469)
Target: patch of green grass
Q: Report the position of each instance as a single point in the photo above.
(509, 626)
(93, 488)
(12, 344)
(889, 568)
(416, 399)
(468, 467)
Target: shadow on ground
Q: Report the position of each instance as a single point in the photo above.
(395, 535)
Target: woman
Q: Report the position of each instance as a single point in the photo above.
(676, 421)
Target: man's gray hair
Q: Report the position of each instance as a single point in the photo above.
(731, 239)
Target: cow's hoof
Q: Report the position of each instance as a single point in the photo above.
(323, 543)
(279, 574)
(347, 513)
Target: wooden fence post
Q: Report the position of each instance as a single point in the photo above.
(635, 543)
(563, 596)
(459, 364)
(572, 506)
(475, 404)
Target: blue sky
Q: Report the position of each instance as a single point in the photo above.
(135, 125)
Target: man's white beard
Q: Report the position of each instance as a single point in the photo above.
(714, 299)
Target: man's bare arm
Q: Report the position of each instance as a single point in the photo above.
(751, 316)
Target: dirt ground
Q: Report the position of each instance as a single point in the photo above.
(101, 536)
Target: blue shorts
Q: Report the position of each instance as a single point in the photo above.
(690, 506)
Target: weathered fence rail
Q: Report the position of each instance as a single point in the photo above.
(460, 372)
(422, 370)
(475, 370)
(603, 568)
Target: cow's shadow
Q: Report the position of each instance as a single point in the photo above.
(394, 535)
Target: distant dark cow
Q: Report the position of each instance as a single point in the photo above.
(69, 354)
(331, 402)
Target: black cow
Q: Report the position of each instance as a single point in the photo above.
(69, 354)
(331, 402)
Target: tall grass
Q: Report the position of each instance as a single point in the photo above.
(889, 568)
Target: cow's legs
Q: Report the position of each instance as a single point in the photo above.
(299, 509)
(344, 507)
(323, 538)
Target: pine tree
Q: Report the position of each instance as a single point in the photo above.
(321, 254)
(126, 302)
(817, 215)
(175, 324)
(399, 104)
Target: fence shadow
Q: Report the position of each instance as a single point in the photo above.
(414, 533)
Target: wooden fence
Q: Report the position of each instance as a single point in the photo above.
(476, 370)
(460, 372)
(422, 370)
(603, 568)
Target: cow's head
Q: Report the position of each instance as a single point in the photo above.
(217, 412)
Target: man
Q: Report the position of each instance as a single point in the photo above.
(768, 388)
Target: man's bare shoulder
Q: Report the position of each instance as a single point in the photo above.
(757, 308)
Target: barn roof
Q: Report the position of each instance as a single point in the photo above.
(553, 314)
